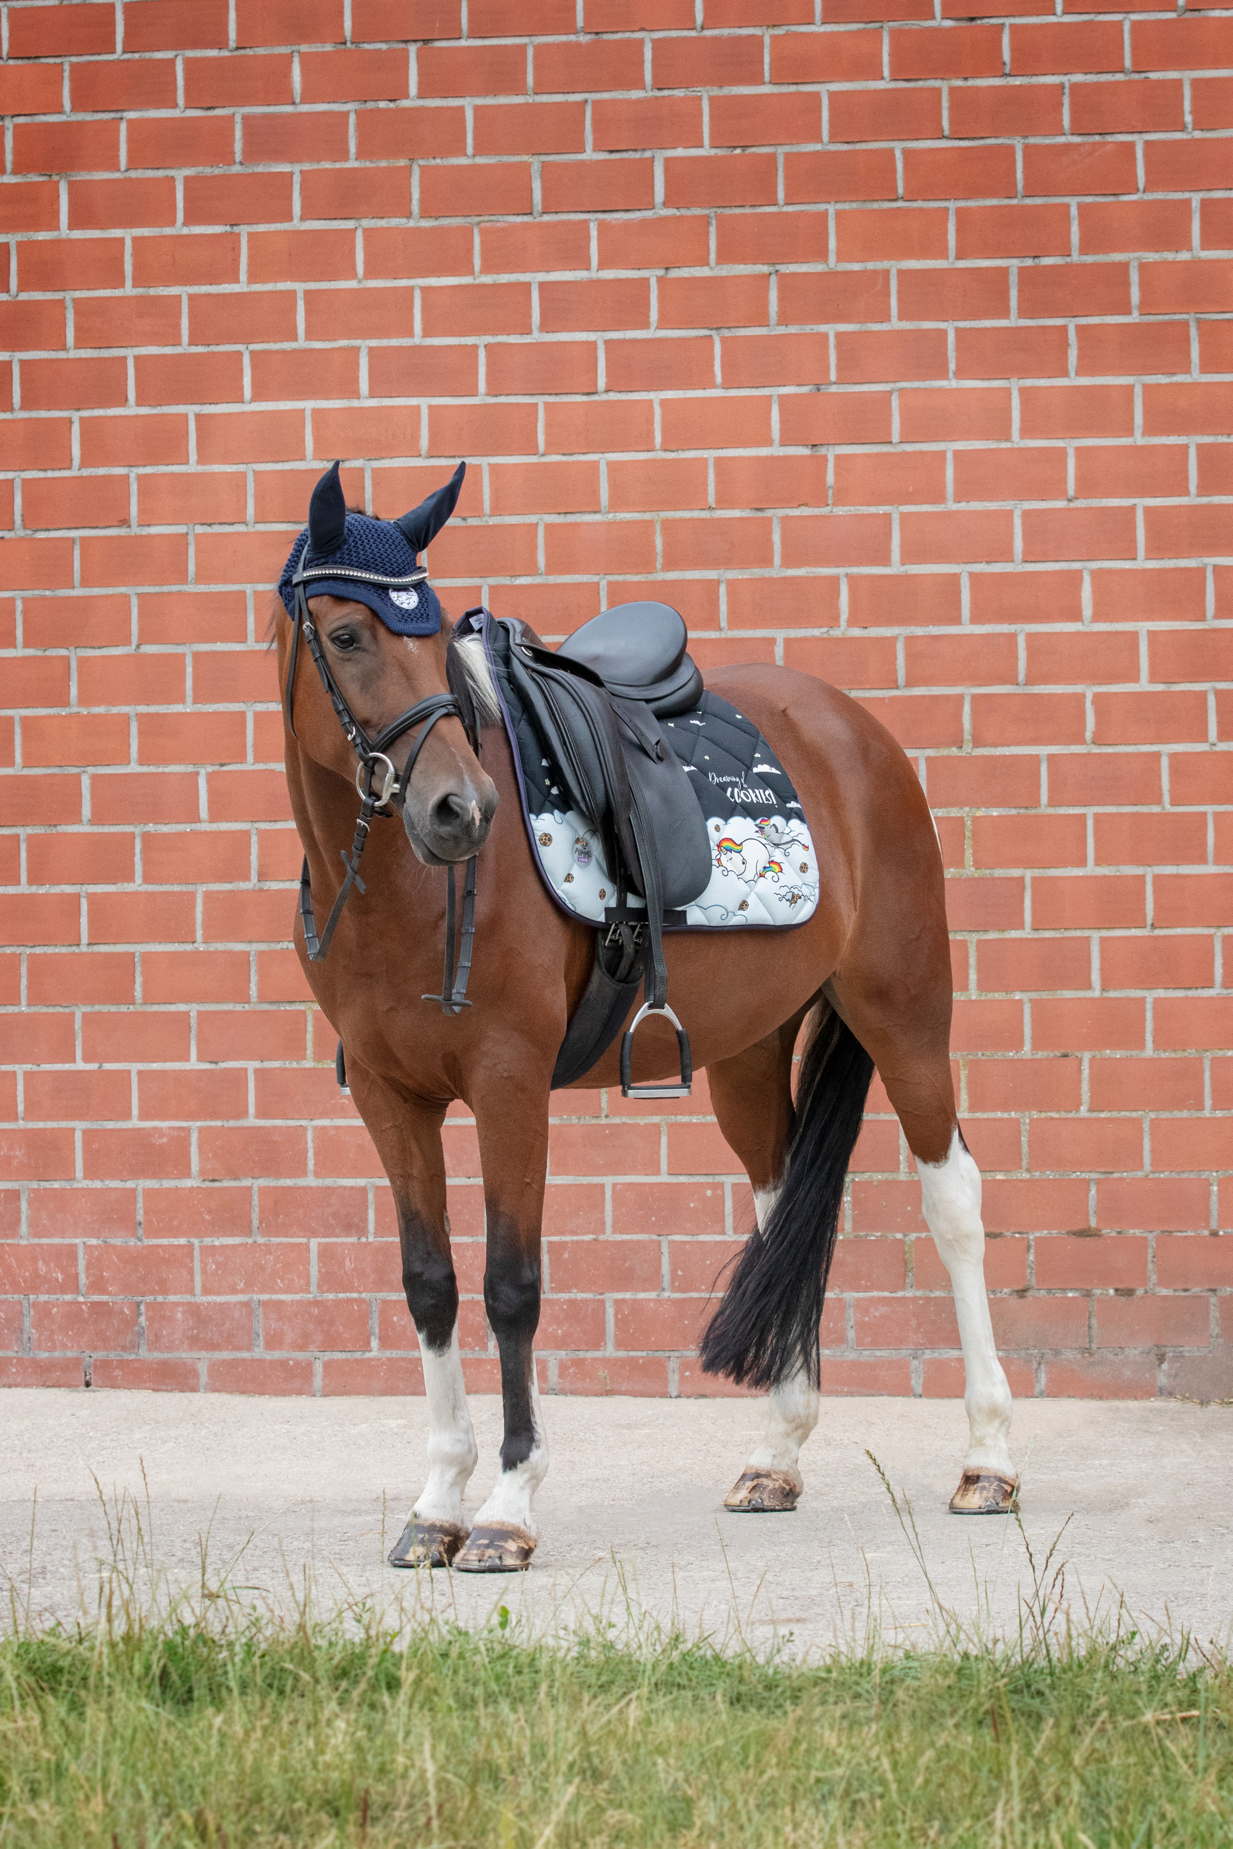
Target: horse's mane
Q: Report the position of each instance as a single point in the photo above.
(469, 653)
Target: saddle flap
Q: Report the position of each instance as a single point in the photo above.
(573, 717)
(668, 824)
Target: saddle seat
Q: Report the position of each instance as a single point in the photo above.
(639, 651)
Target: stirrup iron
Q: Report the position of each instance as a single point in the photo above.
(679, 1088)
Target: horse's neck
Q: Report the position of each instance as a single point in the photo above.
(321, 805)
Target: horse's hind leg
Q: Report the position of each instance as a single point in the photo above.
(407, 1134)
(904, 1026)
(751, 1095)
(950, 1192)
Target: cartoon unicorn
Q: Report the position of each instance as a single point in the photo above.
(776, 832)
(751, 860)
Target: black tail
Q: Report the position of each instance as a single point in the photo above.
(767, 1325)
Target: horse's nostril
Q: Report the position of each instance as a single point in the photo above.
(450, 812)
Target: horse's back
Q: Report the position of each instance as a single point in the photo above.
(808, 720)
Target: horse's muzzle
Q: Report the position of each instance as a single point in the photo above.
(453, 828)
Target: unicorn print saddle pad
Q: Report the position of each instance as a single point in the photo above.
(764, 871)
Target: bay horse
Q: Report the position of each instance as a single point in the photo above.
(407, 713)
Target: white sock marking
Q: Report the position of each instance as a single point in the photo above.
(950, 1193)
(514, 1490)
(452, 1451)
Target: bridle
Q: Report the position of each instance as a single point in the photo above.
(378, 786)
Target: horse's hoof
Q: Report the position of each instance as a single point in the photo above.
(763, 1492)
(426, 1544)
(985, 1492)
(496, 1547)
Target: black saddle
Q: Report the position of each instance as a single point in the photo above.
(638, 650)
(595, 705)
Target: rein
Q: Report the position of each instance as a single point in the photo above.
(378, 786)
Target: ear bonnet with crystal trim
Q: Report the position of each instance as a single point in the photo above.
(373, 562)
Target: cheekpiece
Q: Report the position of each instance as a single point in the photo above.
(370, 561)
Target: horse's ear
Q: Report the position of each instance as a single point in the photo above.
(424, 522)
(327, 514)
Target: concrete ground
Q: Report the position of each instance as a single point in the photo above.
(153, 1495)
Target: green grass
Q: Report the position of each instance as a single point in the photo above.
(233, 1731)
(192, 1718)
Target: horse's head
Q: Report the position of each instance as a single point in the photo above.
(381, 710)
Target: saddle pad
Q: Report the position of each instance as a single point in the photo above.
(764, 872)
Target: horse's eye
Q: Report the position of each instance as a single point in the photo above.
(344, 640)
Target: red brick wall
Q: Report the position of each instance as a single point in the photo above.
(894, 347)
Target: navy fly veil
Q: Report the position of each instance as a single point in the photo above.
(373, 562)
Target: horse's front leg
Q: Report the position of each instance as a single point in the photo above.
(407, 1133)
(512, 1121)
